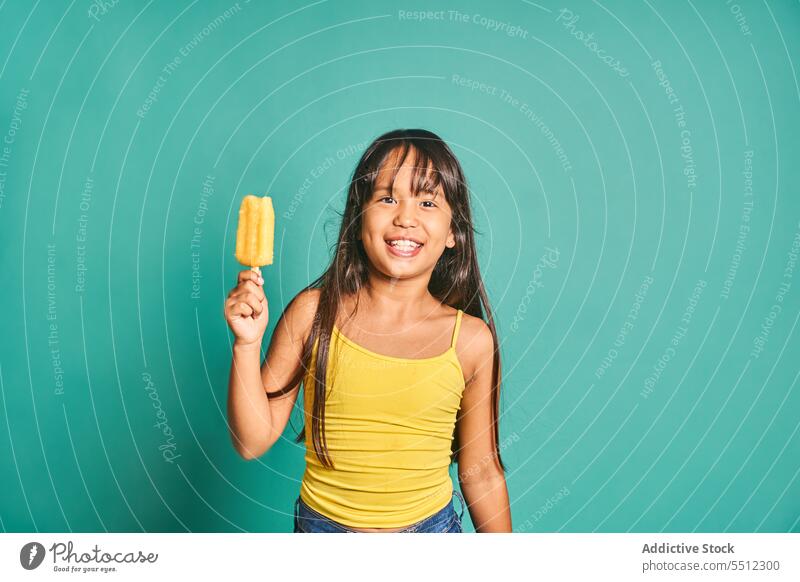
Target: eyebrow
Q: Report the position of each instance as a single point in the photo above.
(419, 193)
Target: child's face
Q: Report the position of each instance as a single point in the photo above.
(392, 215)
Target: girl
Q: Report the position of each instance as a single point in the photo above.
(401, 373)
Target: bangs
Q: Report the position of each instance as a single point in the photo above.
(426, 176)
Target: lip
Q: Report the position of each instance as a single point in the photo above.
(400, 253)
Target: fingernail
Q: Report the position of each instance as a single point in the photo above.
(260, 281)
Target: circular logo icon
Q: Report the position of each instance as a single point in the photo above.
(31, 555)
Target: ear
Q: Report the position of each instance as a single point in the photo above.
(451, 240)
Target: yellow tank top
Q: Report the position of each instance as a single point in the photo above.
(389, 424)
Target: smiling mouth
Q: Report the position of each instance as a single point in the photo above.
(404, 247)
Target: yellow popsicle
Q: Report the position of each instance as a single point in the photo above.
(256, 232)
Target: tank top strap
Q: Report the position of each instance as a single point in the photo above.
(457, 327)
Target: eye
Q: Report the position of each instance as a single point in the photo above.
(432, 205)
(385, 198)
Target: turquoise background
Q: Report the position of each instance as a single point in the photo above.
(102, 189)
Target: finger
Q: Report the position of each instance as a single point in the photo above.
(254, 288)
(241, 291)
(242, 309)
(254, 302)
(248, 275)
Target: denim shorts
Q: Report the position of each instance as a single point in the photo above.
(446, 520)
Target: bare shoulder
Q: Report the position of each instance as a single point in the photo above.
(475, 344)
(307, 300)
(299, 314)
(284, 356)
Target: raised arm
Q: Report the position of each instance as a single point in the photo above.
(255, 421)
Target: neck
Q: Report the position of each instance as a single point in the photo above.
(399, 299)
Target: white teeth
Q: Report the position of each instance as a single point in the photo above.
(405, 245)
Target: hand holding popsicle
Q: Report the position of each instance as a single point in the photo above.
(246, 307)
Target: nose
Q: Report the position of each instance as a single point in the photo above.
(405, 215)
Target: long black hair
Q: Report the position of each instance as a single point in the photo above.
(455, 281)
